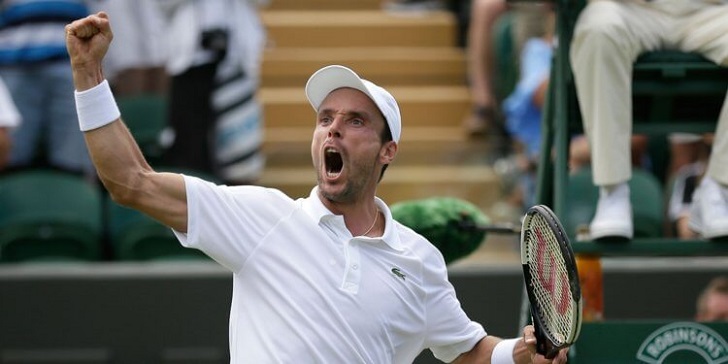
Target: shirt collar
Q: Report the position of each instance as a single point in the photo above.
(313, 206)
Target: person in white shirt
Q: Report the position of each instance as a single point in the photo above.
(331, 278)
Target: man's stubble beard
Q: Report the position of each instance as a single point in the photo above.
(353, 186)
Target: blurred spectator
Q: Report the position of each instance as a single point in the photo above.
(135, 61)
(9, 119)
(608, 37)
(480, 59)
(712, 304)
(529, 21)
(34, 65)
(215, 48)
(523, 109)
(685, 180)
(524, 106)
(580, 157)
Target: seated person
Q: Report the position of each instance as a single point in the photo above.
(685, 179)
(608, 37)
(712, 303)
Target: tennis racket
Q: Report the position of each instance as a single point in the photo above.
(552, 281)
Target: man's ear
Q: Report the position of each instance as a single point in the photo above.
(388, 152)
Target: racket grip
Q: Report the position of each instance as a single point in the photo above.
(551, 353)
(543, 344)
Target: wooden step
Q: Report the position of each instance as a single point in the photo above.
(420, 106)
(358, 28)
(324, 5)
(388, 65)
(477, 184)
(291, 146)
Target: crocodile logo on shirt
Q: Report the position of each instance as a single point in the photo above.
(397, 273)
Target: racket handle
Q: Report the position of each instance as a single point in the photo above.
(543, 344)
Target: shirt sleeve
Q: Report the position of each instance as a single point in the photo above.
(228, 223)
(449, 330)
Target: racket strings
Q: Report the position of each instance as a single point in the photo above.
(550, 281)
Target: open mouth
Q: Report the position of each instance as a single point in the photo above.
(333, 162)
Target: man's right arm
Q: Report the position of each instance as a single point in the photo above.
(119, 162)
(519, 350)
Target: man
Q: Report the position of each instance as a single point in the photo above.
(712, 304)
(328, 279)
(608, 37)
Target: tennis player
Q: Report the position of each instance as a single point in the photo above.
(330, 278)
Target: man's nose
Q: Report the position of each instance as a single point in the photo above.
(335, 127)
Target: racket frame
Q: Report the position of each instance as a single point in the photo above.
(545, 342)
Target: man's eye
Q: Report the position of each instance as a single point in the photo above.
(357, 121)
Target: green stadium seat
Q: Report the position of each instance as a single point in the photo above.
(146, 117)
(506, 56)
(646, 194)
(50, 216)
(135, 236)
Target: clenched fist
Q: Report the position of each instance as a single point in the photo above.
(87, 41)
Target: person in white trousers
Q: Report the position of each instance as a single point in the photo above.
(608, 37)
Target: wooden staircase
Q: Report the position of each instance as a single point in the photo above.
(414, 56)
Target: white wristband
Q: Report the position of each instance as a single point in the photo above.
(503, 352)
(96, 107)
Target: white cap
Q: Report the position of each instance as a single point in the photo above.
(330, 78)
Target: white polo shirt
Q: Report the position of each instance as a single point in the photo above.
(306, 291)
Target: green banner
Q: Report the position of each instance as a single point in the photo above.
(651, 342)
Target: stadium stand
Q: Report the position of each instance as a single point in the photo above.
(137, 237)
(49, 215)
(146, 117)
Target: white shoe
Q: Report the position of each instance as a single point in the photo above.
(613, 218)
(709, 210)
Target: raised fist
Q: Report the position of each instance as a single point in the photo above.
(87, 41)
